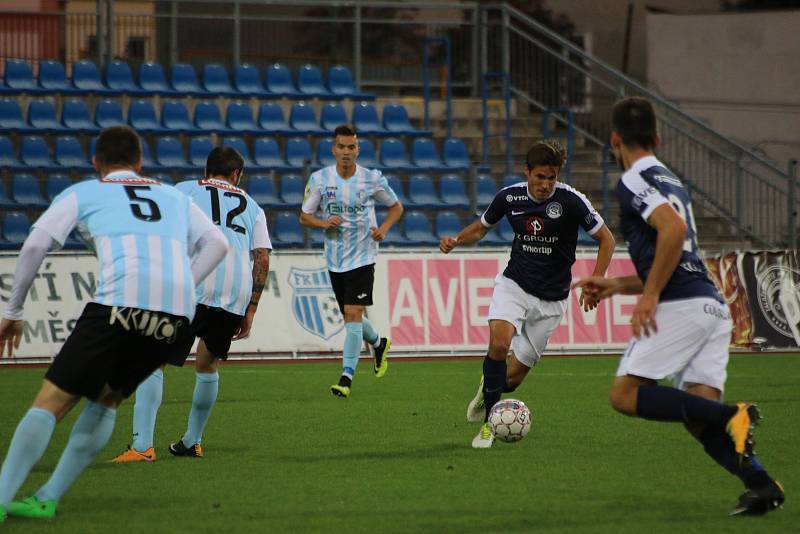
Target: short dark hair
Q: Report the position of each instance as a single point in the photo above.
(634, 119)
(344, 129)
(118, 146)
(223, 160)
(546, 152)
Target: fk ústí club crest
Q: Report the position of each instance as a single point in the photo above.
(313, 302)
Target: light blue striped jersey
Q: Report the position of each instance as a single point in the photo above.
(244, 224)
(350, 245)
(141, 231)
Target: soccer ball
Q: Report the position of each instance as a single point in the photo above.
(510, 420)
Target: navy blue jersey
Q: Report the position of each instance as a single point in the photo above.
(545, 236)
(645, 186)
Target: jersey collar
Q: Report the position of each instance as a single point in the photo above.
(645, 163)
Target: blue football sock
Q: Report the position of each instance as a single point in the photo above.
(494, 381)
(352, 347)
(206, 387)
(371, 335)
(148, 400)
(663, 403)
(27, 446)
(718, 444)
(89, 435)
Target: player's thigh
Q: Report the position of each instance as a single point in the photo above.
(216, 328)
(709, 365)
(509, 303)
(541, 320)
(354, 287)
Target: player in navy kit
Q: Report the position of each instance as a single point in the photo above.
(530, 296)
(681, 325)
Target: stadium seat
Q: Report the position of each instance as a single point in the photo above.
(393, 155)
(16, 227)
(511, 179)
(247, 80)
(486, 189)
(455, 155)
(365, 119)
(169, 154)
(217, 82)
(108, 113)
(395, 236)
(298, 152)
(163, 178)
(425, 156)
(316, 237)
(34, 153)
(418, 229)
(191, 177)
(153, 80)
(453, 192)
(90, 176)
(303, 119)
(199, 148)
(184, 80)
(53, 78)
(119, 78)
(262, 189)
(396, 122)
(288, 232)
(208, 119)
(11, 117)
(271, 119)
(19, 77)
(292, 189)
(239, 118)
(75, 117)
(42, 117)
(69, 154)
(309, 83)
(175, 117)
(56, 183)
(267, 155)
(493, 239)
(26, 191)
(397, 187)
(448, 224)
(6, 202)
(366, 154)
(506, 231)
(332, 116)
(7, 156)
(421, 192)
(584, 239)
(279, 81)
(86, 78)
(239, 144)
(324, 153)
(340, 83)
(147, 157)
(142, 117)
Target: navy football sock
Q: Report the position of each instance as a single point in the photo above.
(494, 381)
(717, 444)
(663, 403)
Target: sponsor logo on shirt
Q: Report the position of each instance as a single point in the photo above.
(330, 192)
(342, 209)
(534, 225)
(512, 198)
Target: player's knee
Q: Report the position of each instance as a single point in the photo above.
(498, 350)
(622, 401)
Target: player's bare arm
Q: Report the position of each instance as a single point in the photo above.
(588, 300)
(260, 272)
(307, 219)
(468, 236)
(392, 216)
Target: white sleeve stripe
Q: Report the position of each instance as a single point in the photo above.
(638, 186)
(485, 222)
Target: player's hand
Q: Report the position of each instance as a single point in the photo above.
(588, 301)
(447, 244)
(597, 287)
(643, 320)
(10, 336)
(247, 323)
(378, 234)
(333, 221)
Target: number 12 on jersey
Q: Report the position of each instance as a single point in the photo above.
(215, 209)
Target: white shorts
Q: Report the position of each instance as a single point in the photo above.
(533, 318)
(690, 347)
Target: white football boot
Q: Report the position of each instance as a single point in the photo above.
(475, 409)
(484, 439)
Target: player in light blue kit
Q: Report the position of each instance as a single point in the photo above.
(141, 231)
(681, 324)
(226, 303)
(346, 194)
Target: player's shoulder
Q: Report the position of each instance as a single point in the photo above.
(370, 174)
(639, 177)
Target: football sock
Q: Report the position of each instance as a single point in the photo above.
(352, 347)
(206, 387)
(717, 444)
(89, 435)
(494, 381)
(663, 403)
(508, 388)
(371, 335)
(148, 400)
(27, 446)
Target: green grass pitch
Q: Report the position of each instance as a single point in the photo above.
(283, 455)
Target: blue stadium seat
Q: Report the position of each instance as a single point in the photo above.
(199, 148)
(455, 155)
(309, 83)
(397, 187)
(169, 154)
(298, 152)
(86, 78)
(332, 116)
(42, 117)
(153, 80)
(75, 117)
(16, 227)
(421, 192)
(90, 176)
(239, 118)
(108, 113)
(34, 153)
(585, 240)
(175, 117)
(142, 117)
(247, 80)
(267, 155)
(239, 144)
(208, 119)
(395, 237)
(11, 117)
(425, 156)
(147, 157)
(288, 232)
(19, 77)
(163, 178)
(315, 237)
(418, 229)
(493, 239)
(453, 191)
(53, 78)
(393, 155)
(56, 183)
(69, 154)
(365, 119)
(486, 189)
(119, 78)
(6, 202)
(292, 189)
(506, 231)
(511, 179)
(324, 153)
(262, 189)
(366, 154)
(396, 122)
(26, 191)
(184, 80)
(340, 83)
(271, 119)
(448, 224)
(7, 156)
(191, 177)
(279, 81)
(216, 80)
(303, 119)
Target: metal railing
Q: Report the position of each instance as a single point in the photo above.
(506, 134)
(569, 135)
(448, 80)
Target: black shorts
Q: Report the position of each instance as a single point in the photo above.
(353, 287)
(115, 346)
(215, 327)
